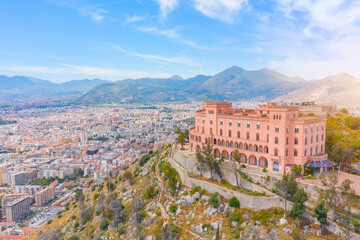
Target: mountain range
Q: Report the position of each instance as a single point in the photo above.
(231, 84)
(25, 87)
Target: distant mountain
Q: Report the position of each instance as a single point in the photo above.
(237, 83)
(25, 87)
(232, 84)
(342, 90)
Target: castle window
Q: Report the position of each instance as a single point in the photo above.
(268, 127)
(238, 134)
(257, 137)
(287, 152)
(276, 152)
(287, 129)
(247, 135)
(296, 141)
(317, 138)
(277, 129)
(322, 137)
(287, 141)
(305, 141)
(248, 124)
(221, 122)
(317, 127)
(203, 130)
(258, 126)
(220, 132)
(239, 124)
(296, 129)
(312, 128)
(229, 133)
(295, 153)
(203, 120)
(312, 139)
(306, 129)
(267, 138)
(305, 153)
(211, 121)
(276, 140)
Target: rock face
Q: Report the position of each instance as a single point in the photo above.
(185, 200)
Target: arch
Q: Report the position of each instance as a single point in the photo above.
(216, 152)
(197, 148)
(296, 140)
(250, 147)
(236, 145)
(252, 160)
(246, 146)
(223, 142)
(316, 150)
(225, 154)
(231, 144)
(276, 152)
(261, 149)
(196, 138)
(227, 143)
(263, 162)
(199, 139)
(276, 140)
(257, 137)
(266, 149)
(295, 153)
(275, 166)
(241, 146)
(256, 148)
(214, 141)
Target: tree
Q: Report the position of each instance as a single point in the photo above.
(286, 188)
(181, 139)
(299, 199)
(207, 158)
(349, 199)
(330, 194)
(321, 213)
(237, 168)
(217, 233)
(296, 170)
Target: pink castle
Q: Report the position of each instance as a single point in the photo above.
(272, 136)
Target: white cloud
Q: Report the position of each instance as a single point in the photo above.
(167, 6)
(96, 14)
(133, 18)
(224, 10)
(325, 39)
(156, 58)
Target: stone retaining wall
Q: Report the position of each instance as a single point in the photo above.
(252, 202)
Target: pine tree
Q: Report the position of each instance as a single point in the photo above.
(321, 213)
(299, 199)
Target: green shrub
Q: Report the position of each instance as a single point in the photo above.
(96, 195)
(173, 208)
(264, 170)
(236, 216)
(76, 225)
(195, 189)
(214, 200)
(122, 231)
(243, 166)
(104, 224)
(150, 192)
(74, 237)
(234, 202)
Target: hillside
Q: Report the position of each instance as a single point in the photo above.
(232, 84)
(342, 90)
(25, 87)
(149, 201)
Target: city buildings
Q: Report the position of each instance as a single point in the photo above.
(44, 196)
(272, 136)
(17, 208)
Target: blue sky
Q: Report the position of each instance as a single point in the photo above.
(60, 40)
